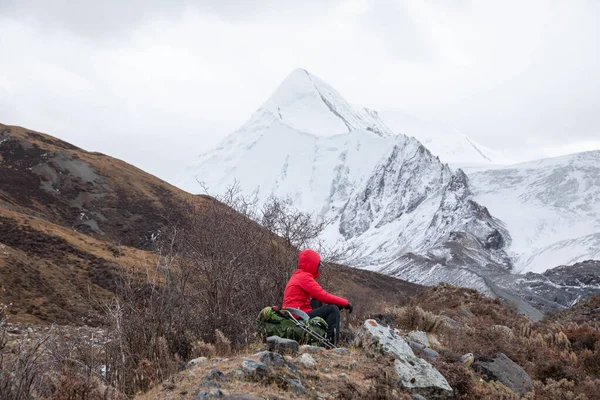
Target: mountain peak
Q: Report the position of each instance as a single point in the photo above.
(308, 104)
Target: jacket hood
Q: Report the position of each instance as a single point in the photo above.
(309, 261)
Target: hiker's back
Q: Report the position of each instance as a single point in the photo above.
(294, 295)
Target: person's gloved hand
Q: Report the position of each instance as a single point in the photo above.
(349, 308)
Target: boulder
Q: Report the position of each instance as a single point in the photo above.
(255, 369)
(505, 330)
(434, 343)
(295, 386)
(197, 361)
(449, 322)
(341, 351)
(504, 370)
(306, 360)
(467, 359)
(311, 349)
(209, 394)
(423, 351)
(419, 337)
(414, 373)
(281, 345)
(214, 375)
(271, 359)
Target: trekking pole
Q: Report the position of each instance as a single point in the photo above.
(304, 326)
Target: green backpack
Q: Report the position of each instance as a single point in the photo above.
(278, 323)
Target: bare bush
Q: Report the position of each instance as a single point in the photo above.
(20, 366)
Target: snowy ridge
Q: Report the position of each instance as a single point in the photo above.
(449, 144)
(308, 104)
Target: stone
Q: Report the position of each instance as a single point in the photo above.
(255, 369)
(505, 330)
(209, 394)
(197, 361)
(306, 360)
(423, 351)
(416, 396)
(419, 337)
(466, 312)
(281, 345)
(237, 396)
(270, 358)
(504, 370)
(236, 373)
(467, 359)
(449, 322)
(214, 375)
(311, 349)
(414, 374)
(210, 384)
(295, 386)
(434, 343)
(341, 351)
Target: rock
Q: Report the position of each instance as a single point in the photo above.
(209, 394)
(214, 375)
(414, 373)
(504, 370)
(236, 373)
(503, 329)
(423, 351)
(467, 359)
(197, 361)
(281, 345)
(417, 397)
(255, 369)
(347, 335)
(434, 343)
(449, 322)
(306, 360)
(237, 396)
(466, 312)
(210, 384)
(311, 349)
(295, 386)
(419, 337)
(341, 351)
(270, 358)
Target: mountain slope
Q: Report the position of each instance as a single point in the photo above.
(70, 218)
(551, 207)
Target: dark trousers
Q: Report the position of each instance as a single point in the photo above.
(331, 315)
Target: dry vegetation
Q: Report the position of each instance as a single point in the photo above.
(561, 353)
(171, 277)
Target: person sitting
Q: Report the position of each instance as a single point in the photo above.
(302, 286)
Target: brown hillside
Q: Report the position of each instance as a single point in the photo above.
(69, 217)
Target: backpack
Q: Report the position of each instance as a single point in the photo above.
(275, 322)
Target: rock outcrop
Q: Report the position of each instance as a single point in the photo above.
(414, 373)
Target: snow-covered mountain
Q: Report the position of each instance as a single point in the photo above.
(449, 144)
(551, 208)
(399, 208)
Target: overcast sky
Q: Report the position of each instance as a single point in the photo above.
(156, 82)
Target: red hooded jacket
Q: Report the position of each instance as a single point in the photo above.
(302, 285)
